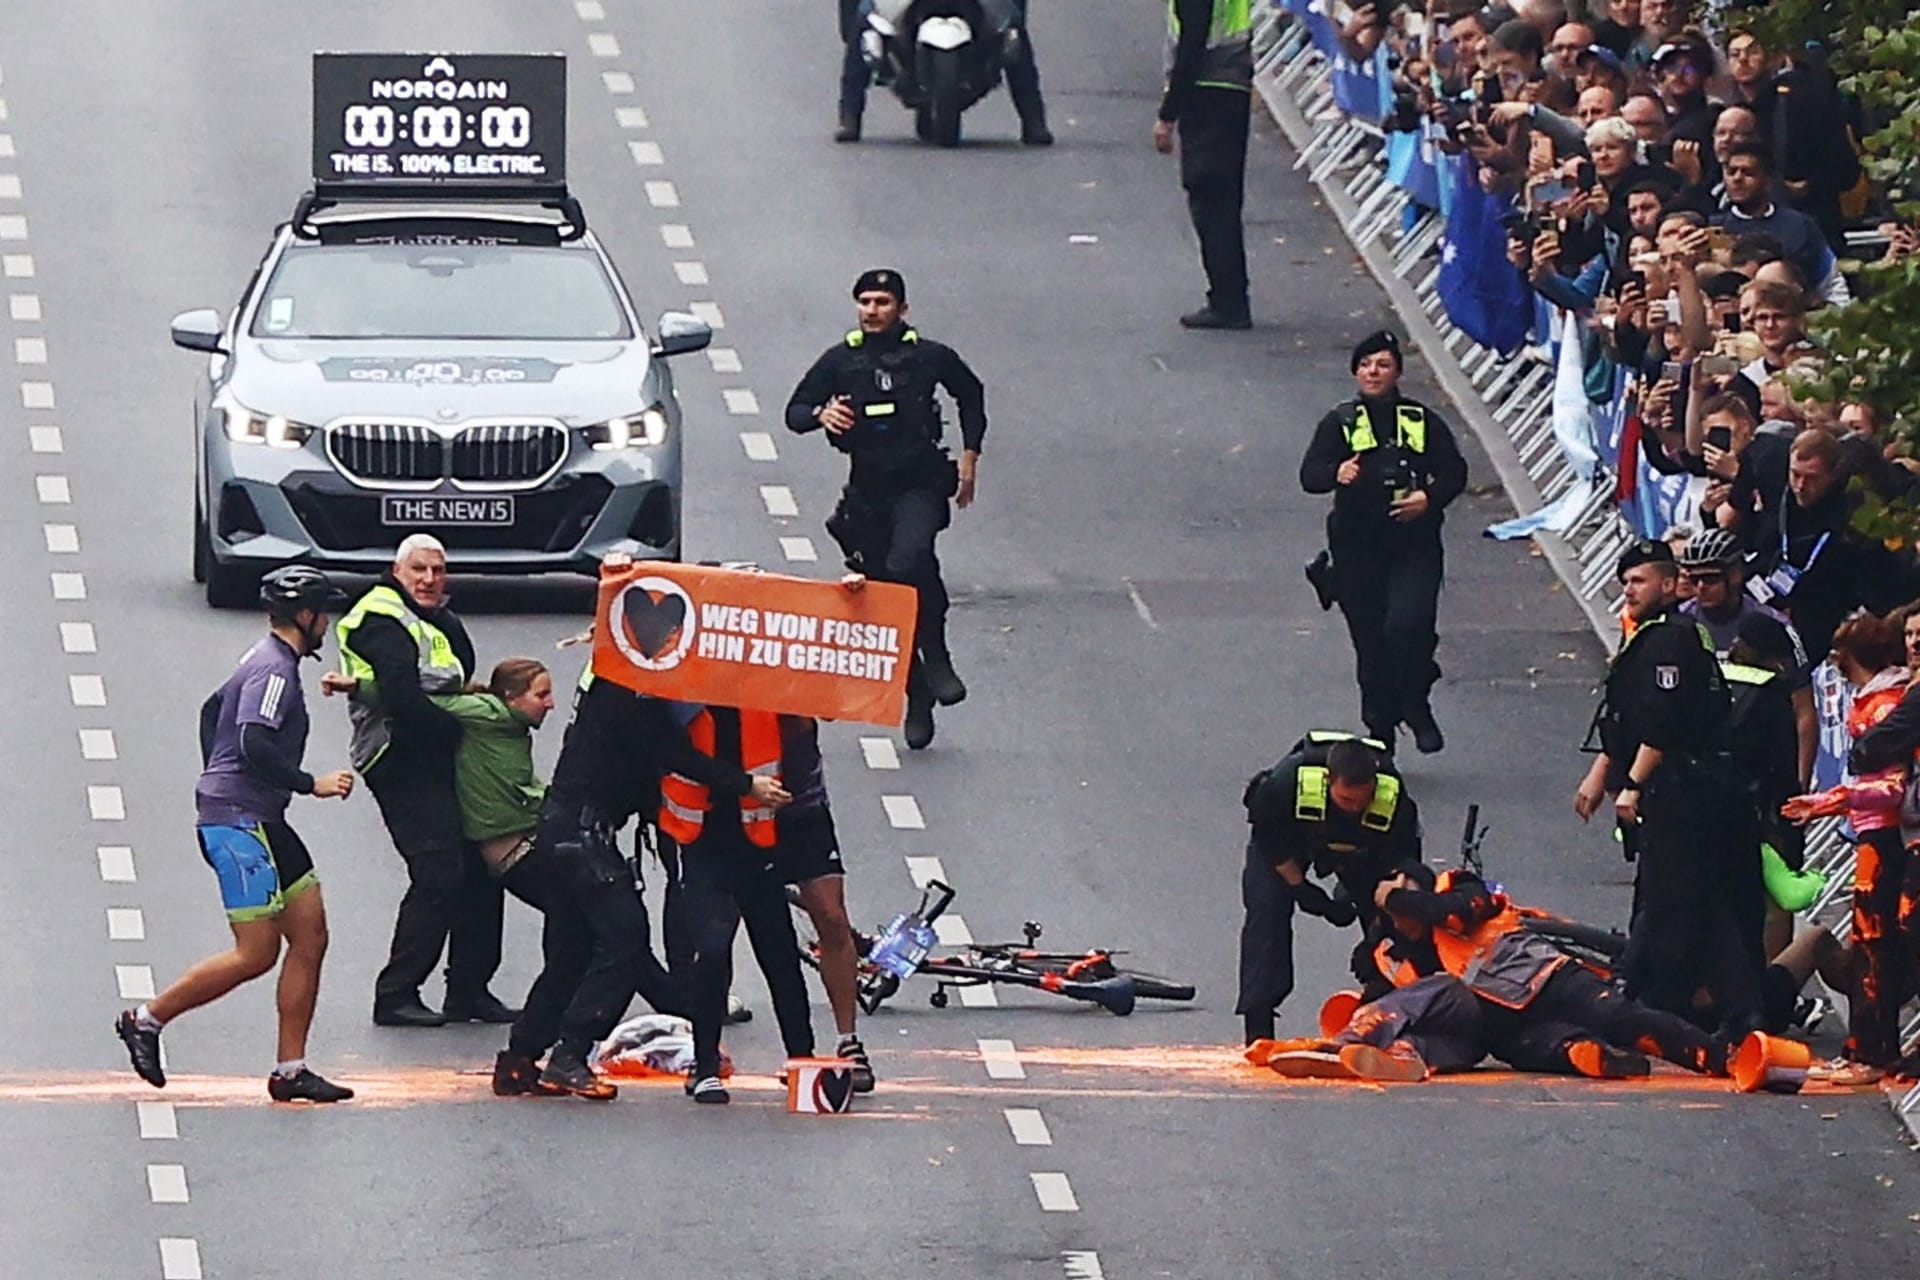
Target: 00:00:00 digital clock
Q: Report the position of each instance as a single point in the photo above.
(376, 126)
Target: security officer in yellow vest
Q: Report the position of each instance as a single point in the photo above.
(1681, 815)
(1209, 100)
(1333, 805)
(402, 643)
(1392, 466)
(874, 394)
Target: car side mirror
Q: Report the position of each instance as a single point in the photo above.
(199, 330)
(681, 333)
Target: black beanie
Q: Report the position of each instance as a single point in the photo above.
(1378, 340)
(881, 280)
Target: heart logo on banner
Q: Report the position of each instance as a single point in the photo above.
(652, 623)
(833, 1090)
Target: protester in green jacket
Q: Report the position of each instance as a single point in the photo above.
(498, 790)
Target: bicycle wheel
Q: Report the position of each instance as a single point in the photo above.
(1149, 986)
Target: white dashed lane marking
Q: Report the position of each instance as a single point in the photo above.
(903, 813)
(180, 1258)
(87, 691)
(646, 153)
(980, 997)
(45, 439)
(590, 10)
(1029, 1127)
(618, 82)
(116, 863)
(603, 45)
(630, 117)
(126, 924)
(759, 446)
(158, 1123)
(24, 306)
(13, 226)
(662, 194)
(1082, 1264)
(779, 500)
(880, 753)
(97, 744)
(741, 402)
(167, 1183)
(799, 549)
(68, 586)
(923, 871)
(952, 931)
(16, 266)
(53, 490)
(1055, 1192)
(9, 182)
(676, 235)
(135, 981)
(36, 395)
(723, 359)
(62, 539)
(106, 804)
(30, 350)
(77, 637)
(1001, 1061)
(6, 144)
(691, 272)
(708, 313)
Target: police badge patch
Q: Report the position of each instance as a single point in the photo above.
(1666, 677)
(884, 379)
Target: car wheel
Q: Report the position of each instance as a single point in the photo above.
(231, 586)
(202, 554)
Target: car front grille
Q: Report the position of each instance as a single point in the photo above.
(486, 455)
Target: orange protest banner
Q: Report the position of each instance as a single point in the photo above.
(735, 638)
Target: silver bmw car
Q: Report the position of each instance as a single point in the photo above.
(477, 372)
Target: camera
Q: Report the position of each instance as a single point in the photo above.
(1660, 153)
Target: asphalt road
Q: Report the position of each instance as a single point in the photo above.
(1128, 611)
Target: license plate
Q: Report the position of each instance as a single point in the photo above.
(409, 511)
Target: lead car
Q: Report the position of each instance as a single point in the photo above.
(465, 363)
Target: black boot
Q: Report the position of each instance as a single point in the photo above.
(849, 130)
(516, 1075)
(919, 726)
(939, 679)
(1209, 317)
(1426, 730)
(406, 1011)
(567, 1071)
(1033, 129)
(481, 1006)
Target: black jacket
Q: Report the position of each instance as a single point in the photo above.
(891, 379)
(422, 732)
(1357, 857)
(616, 748)
(1360, 509)
(1665, 690)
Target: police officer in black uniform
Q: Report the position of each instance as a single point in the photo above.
(1392, 467)
(1023, 79)
(874, 395)
(1681, 814)
(1332, 806)
(1209, 102)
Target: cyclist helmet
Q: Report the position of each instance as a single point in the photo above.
(1710, 548)
(294, 587)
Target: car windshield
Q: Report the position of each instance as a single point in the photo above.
(435, 291)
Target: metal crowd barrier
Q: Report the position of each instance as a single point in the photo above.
(1507, 401)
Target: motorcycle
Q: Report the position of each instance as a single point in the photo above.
(941, 56)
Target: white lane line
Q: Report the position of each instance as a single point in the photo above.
(692, 273)
(30, 350)
(24, 306)
(62, 539)
(603, 44)
(78, 637)
(741, 402)
(1055, 1192)
(157, 1121)
(116, 863)
(662, 194)
(880, 753)
(13, 226)
(1029, 1127)
(126, 924)
(759, 446)
(980, 997)
(630, 117)
(952, 931)
(167, 1183)
(44, 439)
(1001, 1061)
(923, 870)
(97, 744)
(9, 182)
(87, 691)
(16, 266)
(180, 1258)
(53, 490)
(799, 549)
(69, 586)
(708, 313)
(617, 81)
(723, 359)
(135, 981)
(1140, 605)
(1082, 1264)
(646, 153)
(6, 144)
(36, 395)
(903, 813)
(676, 235)
(106, 803)
(590, 10)
(779, 500)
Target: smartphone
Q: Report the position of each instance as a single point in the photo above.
(1544, 193)
(1720, 438)
(1674, 371)
(1638, 278)
(1659, 153)
(1416, 26)
(1720, 240)
(1719, 366)
(1585, 178)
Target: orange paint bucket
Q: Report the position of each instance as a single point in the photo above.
(1773, 1064)
(1337, 1012)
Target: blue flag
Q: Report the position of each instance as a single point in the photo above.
(1410, 159)
(1364, 90)
(1483, 294)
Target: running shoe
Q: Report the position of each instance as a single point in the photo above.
(710, 1090)
(1310, 1064)
(143, 1046)
(515, 1075)
(1598, 1060)
(569, 1073)
(1842, 1073)
(305, 1087)
(852, 1051)
(1398, 1064)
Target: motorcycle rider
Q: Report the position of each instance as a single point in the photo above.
(1023, 77)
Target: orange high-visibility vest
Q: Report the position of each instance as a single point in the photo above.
(1462, 951)
(684, 803)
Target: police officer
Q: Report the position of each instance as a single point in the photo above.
(1662, 724)
(1392, 467)
(1331, 806)
(874, 395)
(1209, 99)
(1023, 78)
(401, 643)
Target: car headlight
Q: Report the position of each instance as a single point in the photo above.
(631, 431)
(276, 431)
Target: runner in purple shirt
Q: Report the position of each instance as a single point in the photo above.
(253, 734)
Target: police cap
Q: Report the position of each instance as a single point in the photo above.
(1378, 340)
(881, 280)
(1644, 551)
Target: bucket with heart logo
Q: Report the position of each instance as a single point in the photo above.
(819, 1086)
